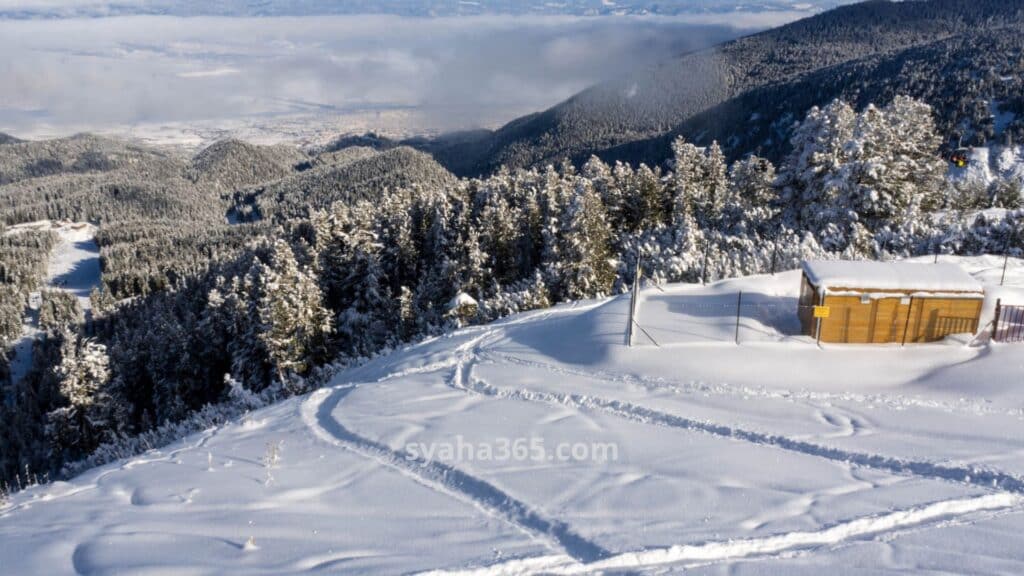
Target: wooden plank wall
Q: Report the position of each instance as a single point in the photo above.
(884, 320)
(934, 319)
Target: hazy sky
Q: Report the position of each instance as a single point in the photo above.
(80, 8)
(461, 70)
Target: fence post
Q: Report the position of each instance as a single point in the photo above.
(704, 270)
(1006, 255)
(629, 322)
(817, 330)
(632, 303)
(739, 303)
(995, 323)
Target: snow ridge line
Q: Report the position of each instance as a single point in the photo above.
(989, 479)
(692, 555)
(680, 387)
(425, 369)
(462, 352)
(471, 347)
(317, 413)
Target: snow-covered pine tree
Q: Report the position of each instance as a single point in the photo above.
(296, 325)
(687, 181)
(553, 198)
(751, 206)
(808, 140)
(233, 318)
(586, 267)
(406, 314)
(101, 301)
(1005, 193)
(676, 254)
(607, 189)
(363, 324)
(395, 231)
(439, 278)
(893, 166)
(643, 201)
(59, 310)
(810, 175)
(473, 270)
(529, 236)
(498, 239)
(715, 187)
(84, 421)
(535, 295)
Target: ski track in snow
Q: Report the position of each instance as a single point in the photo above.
(693, 555)
(1009, 489)
(317, 414)
(473, 351)
(585, 557)
(464, 379)
(816, 398)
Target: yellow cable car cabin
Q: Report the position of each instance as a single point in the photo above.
(886, 302)
(960, 159)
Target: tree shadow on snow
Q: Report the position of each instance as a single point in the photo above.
(84, 274)
(582, 338)
(712, 317)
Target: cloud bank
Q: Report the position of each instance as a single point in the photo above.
(461, 71)
(34, 9)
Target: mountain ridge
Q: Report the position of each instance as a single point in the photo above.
(662, 100)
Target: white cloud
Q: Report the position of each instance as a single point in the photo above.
(469, 70)
(212, 73)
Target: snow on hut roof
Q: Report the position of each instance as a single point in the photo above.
(460, 300)
(940, 277)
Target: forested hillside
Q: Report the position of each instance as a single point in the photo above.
(232, 164)
(88, 178)
(973, 82)
(360, 251)
(22, 268)
(348, 175)
(959, 56)
(83, 153)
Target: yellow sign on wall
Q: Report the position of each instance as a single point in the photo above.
(822, 311)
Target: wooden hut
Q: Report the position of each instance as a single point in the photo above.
(880, 302)
(463, 307)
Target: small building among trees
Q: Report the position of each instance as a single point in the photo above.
(883, 302)
(463, 307)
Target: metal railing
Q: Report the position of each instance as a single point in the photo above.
(1009, 323)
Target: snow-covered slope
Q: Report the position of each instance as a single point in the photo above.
(988, 164)
(542, 444)
(74, 267)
